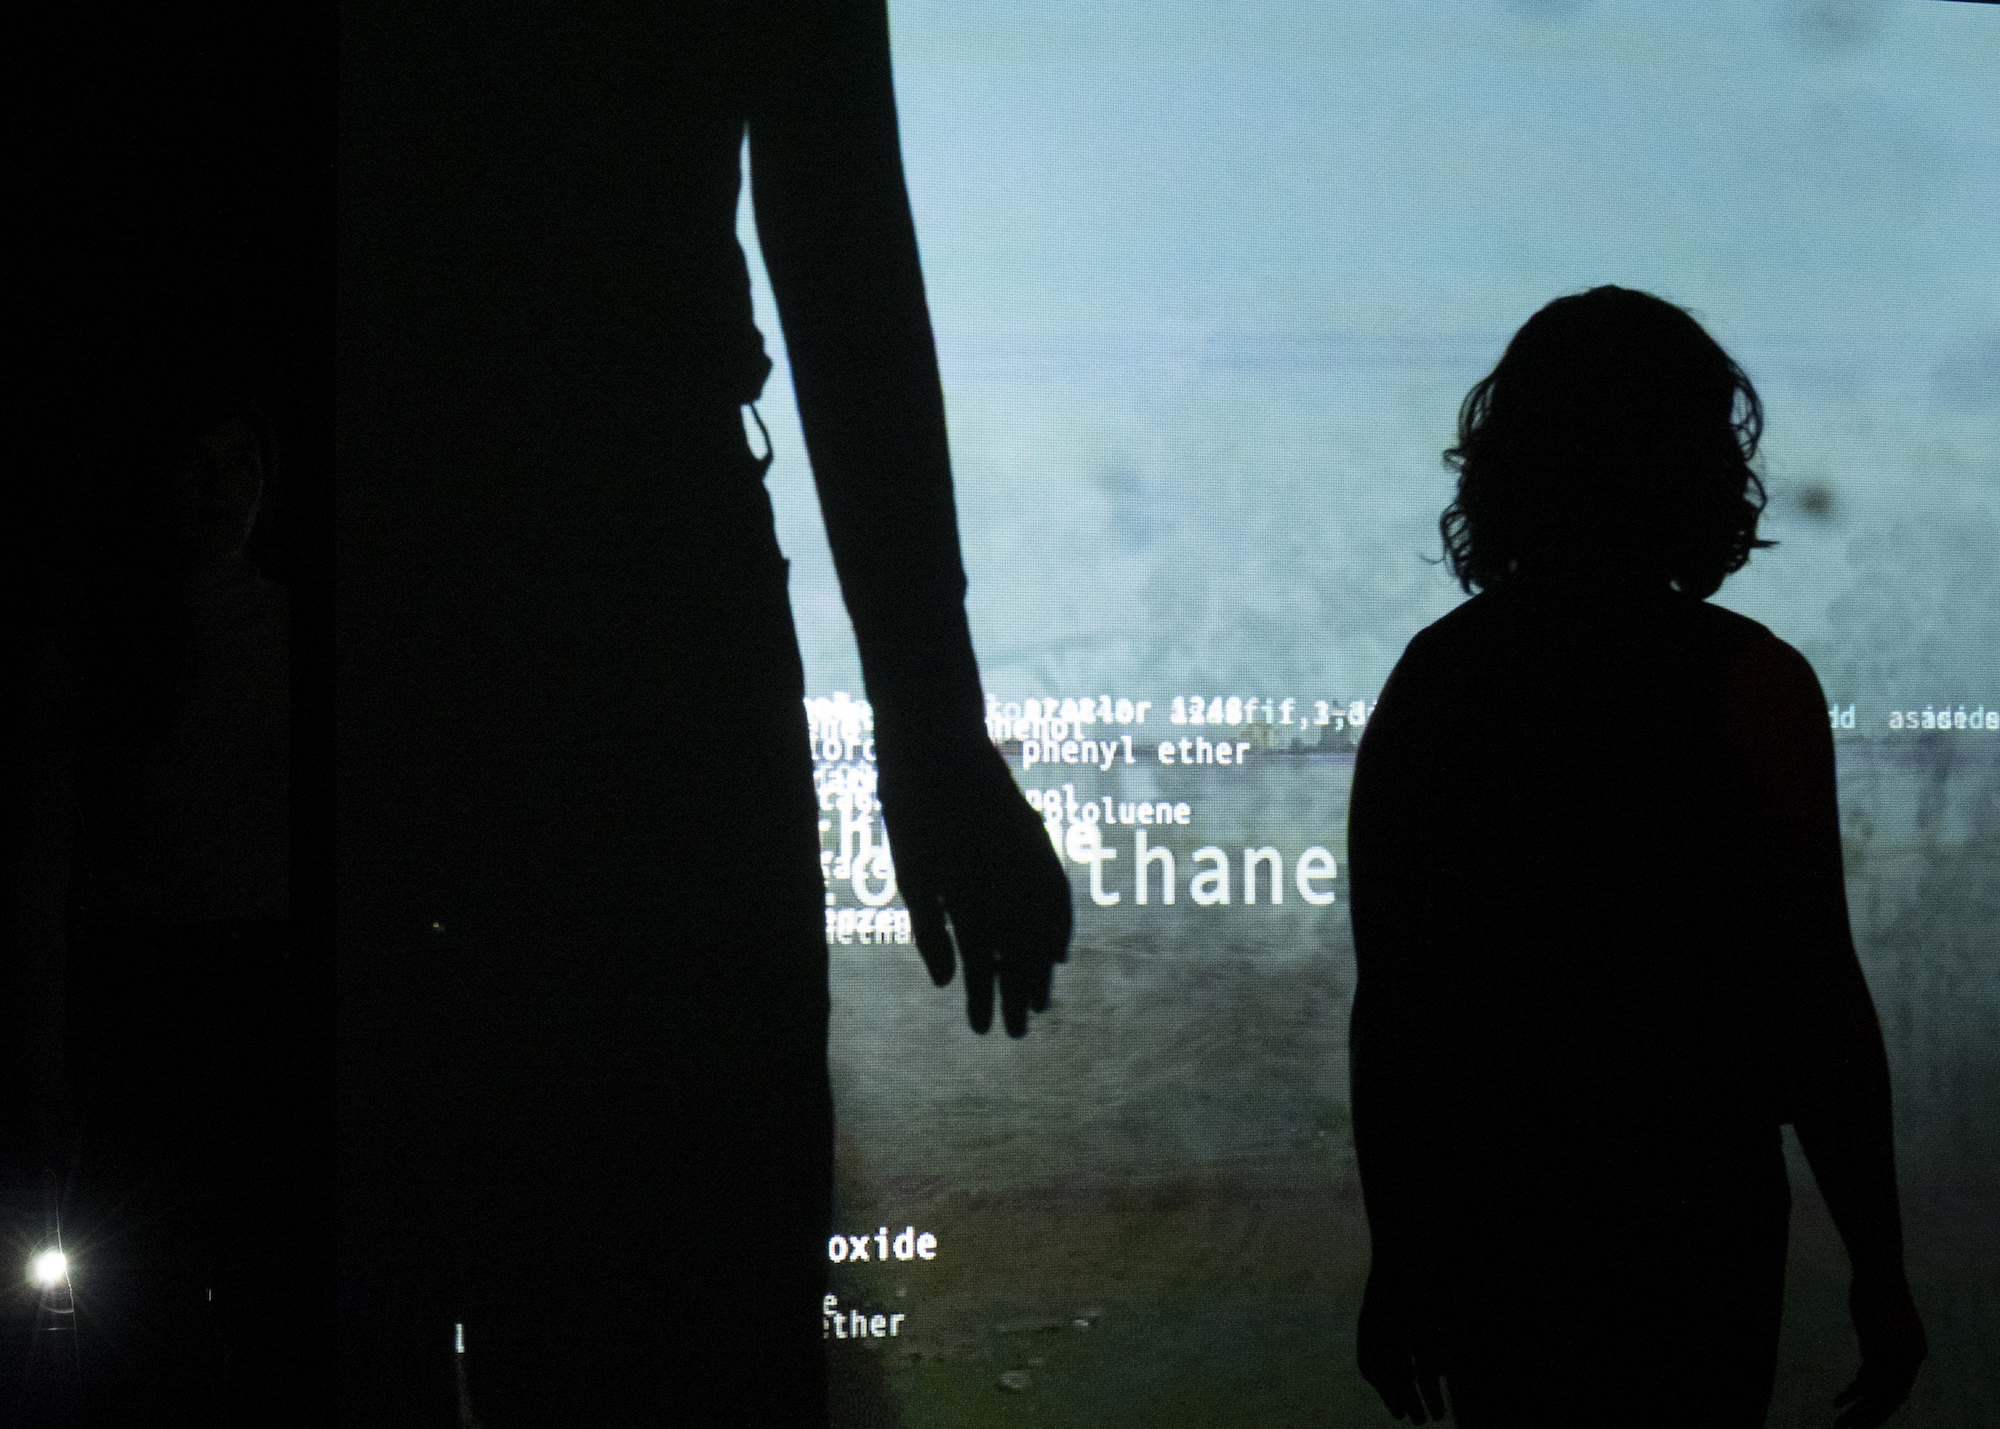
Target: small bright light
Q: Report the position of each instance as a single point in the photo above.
(49, 1269)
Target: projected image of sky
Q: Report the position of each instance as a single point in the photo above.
(1208, 283)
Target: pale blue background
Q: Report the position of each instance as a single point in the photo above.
(1209, 281)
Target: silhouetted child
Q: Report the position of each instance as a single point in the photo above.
(1601, 927)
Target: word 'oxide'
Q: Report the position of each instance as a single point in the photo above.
(908, 1245)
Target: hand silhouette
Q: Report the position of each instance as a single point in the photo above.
(1397, 1346)
(977, 873)
(1892, 1344)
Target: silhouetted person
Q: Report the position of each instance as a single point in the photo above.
(584, 962)
(172, 1079)
(1601, 927)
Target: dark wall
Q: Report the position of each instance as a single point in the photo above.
(173, 210)
(178, 192)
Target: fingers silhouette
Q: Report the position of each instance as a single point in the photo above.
(932, 934)
(1431, 1387)
(1893, 1347)
(1395, 1355)
(1866, 1403)
(983, 887)
(977, 956)
(1017, 985)
(1038, 996)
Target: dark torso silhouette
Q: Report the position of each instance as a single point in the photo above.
(583, 969)
(1568, 1029)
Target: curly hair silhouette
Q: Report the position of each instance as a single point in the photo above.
(1614, 440)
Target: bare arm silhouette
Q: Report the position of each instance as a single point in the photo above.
(833, 217)
(1836, 1077)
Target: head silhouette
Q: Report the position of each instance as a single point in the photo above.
(217, 487)
(1612, 447)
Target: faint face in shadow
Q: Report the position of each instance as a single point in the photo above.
(217, 486)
